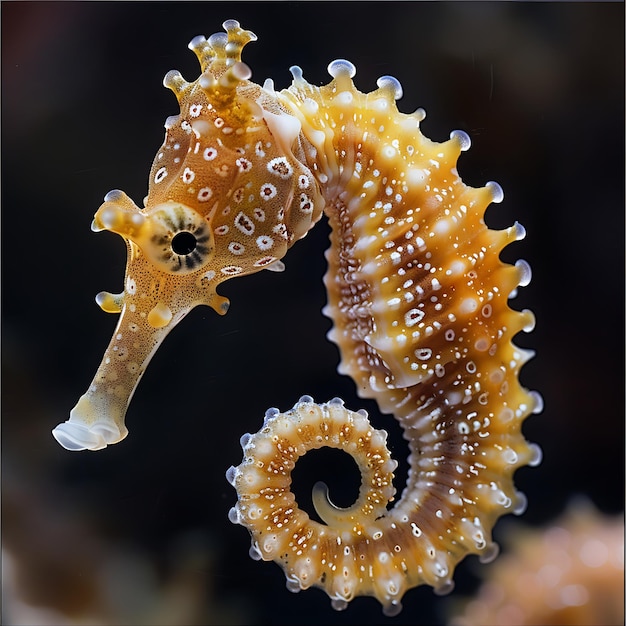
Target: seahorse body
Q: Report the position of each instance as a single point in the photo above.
(416, 292)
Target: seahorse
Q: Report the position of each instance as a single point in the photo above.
(417, 294)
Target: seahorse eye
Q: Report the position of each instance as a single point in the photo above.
(184, 243)
(186, 250)
(179, 240)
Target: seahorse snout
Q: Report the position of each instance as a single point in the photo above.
(78, 434)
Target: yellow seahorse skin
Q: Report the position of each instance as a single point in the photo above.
(418, 298)
(417, 294)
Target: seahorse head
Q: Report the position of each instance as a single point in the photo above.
(229, 192)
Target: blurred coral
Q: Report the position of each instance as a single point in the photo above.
(571, 572)
(58, 572)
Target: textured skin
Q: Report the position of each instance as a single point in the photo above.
(416, 291)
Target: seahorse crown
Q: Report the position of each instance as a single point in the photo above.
(417, 294)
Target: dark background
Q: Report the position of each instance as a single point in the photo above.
(540, 90)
